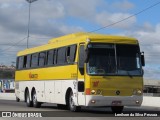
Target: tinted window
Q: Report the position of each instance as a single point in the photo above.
(25, 62)
(81, 59)
(34, 61)
(28, 61)
(17, 61)
(72, 52)
(102, 61)
(42, 57)
(51, 57)
(114, 59)
(20, 62)
(81, 56)
(61, 57)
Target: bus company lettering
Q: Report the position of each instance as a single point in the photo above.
(33, 76)
(95, 83)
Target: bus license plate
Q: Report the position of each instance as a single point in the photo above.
(116, 103)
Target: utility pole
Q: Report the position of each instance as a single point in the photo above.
(29, 1)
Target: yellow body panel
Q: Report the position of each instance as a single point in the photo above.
(48, 73)
(110, 84)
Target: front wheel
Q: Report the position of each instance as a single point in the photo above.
(71, 104)
(117, 109)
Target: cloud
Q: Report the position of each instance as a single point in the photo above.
(152, 72)
(106, 18)
(46, 18)
(123, 5)
(84, 9)
(47, 21)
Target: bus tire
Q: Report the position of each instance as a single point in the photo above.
(17, 99)
(29, 103)
(117, 109)
(71, 105)
(36, 104)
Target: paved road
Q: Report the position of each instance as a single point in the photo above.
(87, 113)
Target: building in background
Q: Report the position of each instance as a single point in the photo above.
(6, 85)
(151, 88)
(7, 74)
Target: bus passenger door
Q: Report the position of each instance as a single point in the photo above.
(81, 77)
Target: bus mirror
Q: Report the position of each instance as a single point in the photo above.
(142, 59)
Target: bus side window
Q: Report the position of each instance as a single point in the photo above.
(68, 54)
(28, 61)
(17, 63)
(42, 57)
(20, 62)
(50, 57)
(34, 60)
(61, 59)
(55, 56)
(25, 61)
(71, 53)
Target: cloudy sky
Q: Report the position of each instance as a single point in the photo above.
(53, 18)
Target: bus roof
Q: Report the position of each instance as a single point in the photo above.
(78, 38)
(92, 36)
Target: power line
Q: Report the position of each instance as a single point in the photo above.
(135, 14)
(13, 44)
(40, 37)
(5, 44)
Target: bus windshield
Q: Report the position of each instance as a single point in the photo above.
(114, 59)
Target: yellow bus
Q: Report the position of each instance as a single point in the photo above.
(82, 70)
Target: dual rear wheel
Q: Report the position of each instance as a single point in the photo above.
(32, 102)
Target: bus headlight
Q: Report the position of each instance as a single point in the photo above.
(93, 92)
(96, 92)
(137, 92)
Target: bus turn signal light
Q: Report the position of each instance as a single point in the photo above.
(88, 91)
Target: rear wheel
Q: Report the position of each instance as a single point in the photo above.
(36, 104)
(117, 109)
(29, 103)
(71, 104)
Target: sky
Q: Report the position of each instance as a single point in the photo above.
(54, 18)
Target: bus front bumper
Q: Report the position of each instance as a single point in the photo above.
(113, 100)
